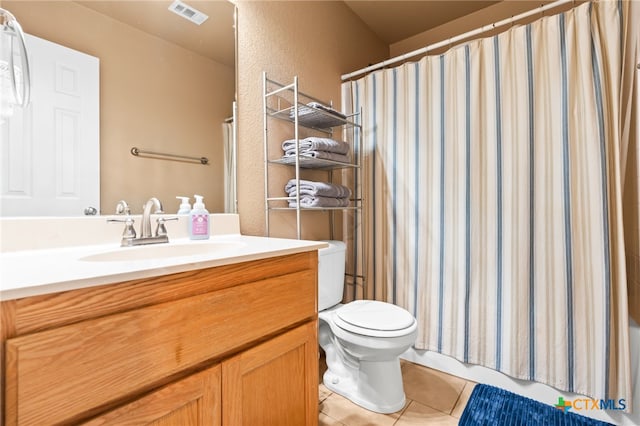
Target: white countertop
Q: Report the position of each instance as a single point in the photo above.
(44, 271)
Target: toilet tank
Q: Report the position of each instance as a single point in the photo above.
(331, 274)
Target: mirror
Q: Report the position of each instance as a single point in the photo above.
(166, 85)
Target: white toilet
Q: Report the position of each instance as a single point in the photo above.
(362, 340)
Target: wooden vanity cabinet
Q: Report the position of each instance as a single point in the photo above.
(231, 345)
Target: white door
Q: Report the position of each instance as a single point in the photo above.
(50, 156)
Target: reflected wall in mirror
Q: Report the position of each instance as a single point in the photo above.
(166, 85)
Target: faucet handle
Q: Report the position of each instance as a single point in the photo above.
(129, 233)
(161, 230)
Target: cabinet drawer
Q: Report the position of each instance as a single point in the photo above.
(71, 372)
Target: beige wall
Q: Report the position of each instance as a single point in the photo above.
(154, 95)
(317, 41)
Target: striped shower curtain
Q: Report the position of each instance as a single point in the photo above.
(228, 143)
(493, 201)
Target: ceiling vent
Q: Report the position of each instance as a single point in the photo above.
(188, 12)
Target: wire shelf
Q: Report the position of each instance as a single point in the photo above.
(313, 163)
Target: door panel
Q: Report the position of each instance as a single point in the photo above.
(275, 383)
(194, 401)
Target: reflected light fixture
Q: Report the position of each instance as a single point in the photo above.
(187, 12)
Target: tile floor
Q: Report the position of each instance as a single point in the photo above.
(433, 398)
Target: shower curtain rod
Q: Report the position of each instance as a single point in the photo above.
(455, 39)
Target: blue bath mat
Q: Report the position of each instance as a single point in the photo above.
(489, 405)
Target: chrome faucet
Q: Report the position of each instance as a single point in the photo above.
(145, 226)
(146, 236)
(123, 208)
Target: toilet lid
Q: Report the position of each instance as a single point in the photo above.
(373, 315)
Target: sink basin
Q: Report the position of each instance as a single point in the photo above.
(163, 251)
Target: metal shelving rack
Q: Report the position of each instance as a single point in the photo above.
(287, 103)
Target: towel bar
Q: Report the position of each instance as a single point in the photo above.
(137, 152)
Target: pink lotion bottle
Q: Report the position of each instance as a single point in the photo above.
(198, 220)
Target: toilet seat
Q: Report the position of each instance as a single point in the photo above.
(375, 319)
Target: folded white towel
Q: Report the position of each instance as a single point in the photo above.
(313, 143)
(321, 189)
(323, 155)
(317, 201)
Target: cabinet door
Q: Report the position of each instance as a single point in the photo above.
(274, 383)
(192, 401)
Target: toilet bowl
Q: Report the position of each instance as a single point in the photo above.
(362, 340)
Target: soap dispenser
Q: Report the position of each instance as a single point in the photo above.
(185, 206)
(198, 220)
